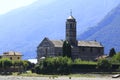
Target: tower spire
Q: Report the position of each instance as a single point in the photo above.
(70, 17)
(71, 30)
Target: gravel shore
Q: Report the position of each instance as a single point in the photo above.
(51, 78)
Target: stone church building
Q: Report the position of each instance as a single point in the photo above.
(85, 50)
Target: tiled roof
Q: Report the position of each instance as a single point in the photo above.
(57, 43)
(89, 44)
(12, 53)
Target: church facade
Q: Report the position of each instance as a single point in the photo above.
(85, 50)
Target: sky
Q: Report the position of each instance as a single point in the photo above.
(86, 12)
(8, 5)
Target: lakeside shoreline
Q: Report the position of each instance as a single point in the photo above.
(59, 77)
(54, 78)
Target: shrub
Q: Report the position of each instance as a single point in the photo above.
(56, 65)
(37, 69)
(104, 64)
(5, 64)
(116, 58)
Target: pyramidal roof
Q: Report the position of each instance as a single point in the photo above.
(70, 17)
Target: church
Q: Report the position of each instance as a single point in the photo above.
(85, 50)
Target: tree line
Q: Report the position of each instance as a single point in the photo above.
(65, 65)
(8, 66)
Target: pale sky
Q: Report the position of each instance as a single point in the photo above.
(8, 5)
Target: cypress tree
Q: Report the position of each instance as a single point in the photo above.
(66, 49)
(112, 52)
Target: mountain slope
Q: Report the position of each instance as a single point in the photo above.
(23, 29)
(107, 31)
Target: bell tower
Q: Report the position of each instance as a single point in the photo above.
(71, 30)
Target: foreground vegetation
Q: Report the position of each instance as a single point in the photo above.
(56, 65)
(64, 65)
(61, 66)
(8, 66)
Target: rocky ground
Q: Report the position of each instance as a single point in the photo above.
(56, 78)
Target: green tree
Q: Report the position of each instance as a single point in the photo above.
(104, 64)
(37, 69)
(116, 58)
(112, 52)
(25, 65)
(66, 49)
(22, 65)
(55, 65)
(6, 63)
(29, 65)
(19, 64)
(0, 63)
